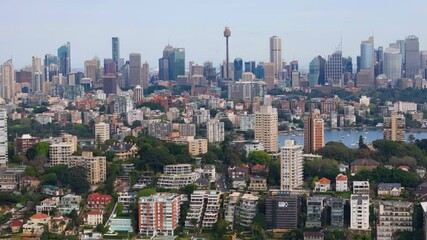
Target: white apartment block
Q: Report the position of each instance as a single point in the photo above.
(291, 166)
(69, 203)
(253, 146)
(404, 107)
(177, 169)
(158, 214)
(102, 131)
(207, 200)
(215, 131)
(393, 216)
(134, 115)
(341, 183)
(247, 209)
(247, 122)
(177, 181)
(359, 212)
(361, 187)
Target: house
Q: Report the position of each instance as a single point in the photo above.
(341, 183)
(202, 183)
(392, 189)
(48, 204)
(238, 172)
(69, 203)
(124, 151)
(94, 217)
(323, 185)
(15, 225)
(28, 181)
(343, 167)
(238, 183)
(52, 190)
(258, 168)
(58, 224)
(36, 224)
(363, 163)
(258, 183)
(361, 187)
(313, 236)
(98, 200)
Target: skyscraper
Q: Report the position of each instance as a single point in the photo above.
(91, 69)
(313, 132)
(110, 67)
(177, 63)
(145, 75)
(333, 69)
(49, 59)
(109, 83)
(423, 59)
(291, 166)
(412, 56)
(3, 138)
(64, 59)
(266, 122)
(116, 51)
(365, 78)
(7, 80)
(392, 64)
(134, 69)
(37, 74)
(276, 54)
(317, 72)
(238, 69)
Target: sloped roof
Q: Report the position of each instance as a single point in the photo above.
(324, 181)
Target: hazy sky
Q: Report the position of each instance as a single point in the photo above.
(307, 27)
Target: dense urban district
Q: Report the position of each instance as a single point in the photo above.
(124, 151)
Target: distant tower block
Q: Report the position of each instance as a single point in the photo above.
(227, 34)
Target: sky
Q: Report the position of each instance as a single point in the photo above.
(307, 27)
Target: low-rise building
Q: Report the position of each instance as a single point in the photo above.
(258, 183)
(337, 212)
(36, 224)
(121, 224)
(69, 203)
(313, 236)
(390, 189)
(58, 224)
(22, 144)
(323, 185)
(315, 207)
(393, 216)
(247, 209)
(361, 187)
(341, 182)
(177, 181)
(363, 163)
(48, 204)
(93, 217)
(177, 169)
(98, 200)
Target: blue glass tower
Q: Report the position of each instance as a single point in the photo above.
(238, 69)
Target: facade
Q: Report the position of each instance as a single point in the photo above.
(215, 131)
(323, 185)
(334, 69)
(266, 132)
(3, 138)
(198, 146)
(145, 75)
(291, 166)
(69, 203)
(176, 63)
(93, 217)
(59, 153)
(276, 54)
(365, 77)
(204, 208)
(138, 94)
(389, 189)
(313, 133)
(282, 212)
(102, 131)
(242, 90)
(337, 212)
(247, 209)
(393, 216)
(359, 212)
(91, 70)
(123, 104)
(394, 127)
(158, 214)
(7, 76)
(317, 72)
(177, 181)
(392, 65)
(247, 122)
(134, 69)
(315, 207)
(115, 42)
(238, 69)
(361, 187)
(412, 56)
(64, 59)
(258, 183)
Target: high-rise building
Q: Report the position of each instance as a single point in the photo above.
(138, 94)
(276, 54)
(116, 51)
(37, 74)
(7, 80)
(158, 214)
(102, 131)
(401, 44)
(266, 132)
(392, 64)
(366, 76)
(313, 132)
(317, 72)
(64, 59)
(110, 67)
(394, 127)
(412, 56)
(282, 211)
(393, 216)
(291, 166)
(145, 72)
(359, 212)
(91, 69)
(215, 131)
(268, 70)
(333, 69)
(3, 138)
(379, 61)
(177, 63)
(238, 69)
(109, 83)
(250, 66)
(423, 61)
(134, 69)
(49, 59)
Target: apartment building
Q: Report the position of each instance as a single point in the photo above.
(158, 214)
(59, 153)
(359, 212)
(204, 208)
(361, 187)
(22, 144)
(337, 212)
(102, 131)
(96, 167)
(315, 207)
(198, 146)
(393, 216)
(247, 209)
(177, 169)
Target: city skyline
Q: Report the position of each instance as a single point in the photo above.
(297, 24)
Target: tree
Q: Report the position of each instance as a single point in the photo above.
(49, 179)
(259, 157)
(220, 227)
(146, 192)
(321, 167)
(228, 125)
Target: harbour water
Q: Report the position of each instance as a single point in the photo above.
(349, 137)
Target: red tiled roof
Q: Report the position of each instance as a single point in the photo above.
(324, 181)
(39, 216)
(15, 223)
(341, 177)
(95, 212)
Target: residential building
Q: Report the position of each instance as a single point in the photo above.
(215, 131)
(247, 209)
(258, 183)
(48, 205)
(282, 211)
(361, 187)
(424, 206)
(393, 216)
(315, 207)
(394, 127)
(337, 212)
(314, 236)
(121, 224)
(276, 54)
(266, 132)
(138, 94)
(158, 214)
(25, 142)
(242, 90)
(389, 189)
(123, 104)
(359, 212)
(198, 146)
(3, 138)
(341, 183)
(204, 208)
(134, 69)
(177, 169)
(58, 224)
(94, 217)
(247, 122)
(177, 181)
(253, 146)
(323, 185)
(36, 224)
(96, 167)
(363, 163)
(98, 200)
(102, 131)
(291, 166)
(59, 153)
(69, 203)
(313, 132)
